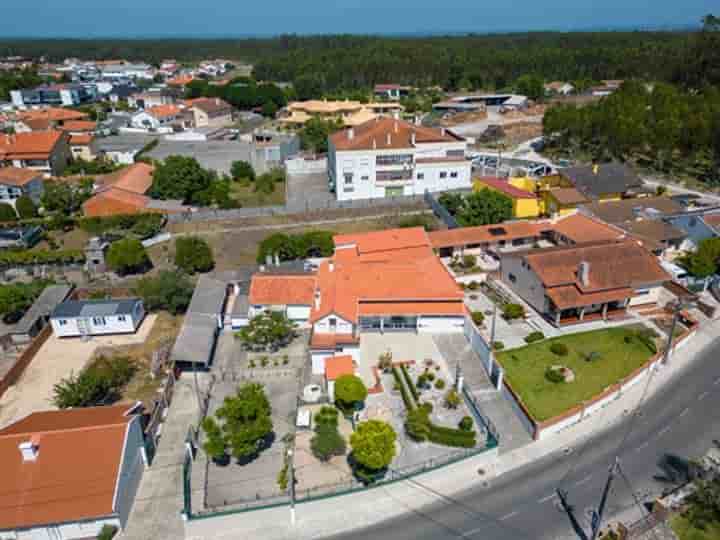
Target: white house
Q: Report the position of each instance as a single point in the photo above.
(290, 294)
(388, 157)
(155, 118)
(559, 88)
(16, 182)
(67, 473)
(97, 317)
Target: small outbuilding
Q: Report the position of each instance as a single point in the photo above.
(38, 315)
(75, 318)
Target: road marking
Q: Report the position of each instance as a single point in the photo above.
(474, 531)
(642, 446)
(546, 499)
(664, 430)
(702, 396)
(684, 412)
(717, 381)
(507, 516)
(583, 480)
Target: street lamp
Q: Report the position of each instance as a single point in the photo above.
(681, 304)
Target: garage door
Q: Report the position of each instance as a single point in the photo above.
(298, 313)
(441, 325)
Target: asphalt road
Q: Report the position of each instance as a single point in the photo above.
(682, 420)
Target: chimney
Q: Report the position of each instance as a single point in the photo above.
(442, 131)
(317, 299)
(389, 139)
(395, 126)
(584, 273)
(331, 265)
(28, 450)
(374, 144)
(351, 134)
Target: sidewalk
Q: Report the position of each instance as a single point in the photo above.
(336, 515)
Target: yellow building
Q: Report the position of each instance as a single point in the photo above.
(561, 200)
(350, 113)
(524, 203)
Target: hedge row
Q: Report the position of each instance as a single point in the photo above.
(142, 225)
(41, 256)
(452, 437)
(410, 383)
(406, 399)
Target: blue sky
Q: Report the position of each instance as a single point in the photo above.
(88, 18)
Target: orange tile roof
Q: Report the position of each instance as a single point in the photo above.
(385, 133)
(163, 111)
(137, 178)
(568, 196)
(114, 201)
(78, 125)
(487, 234)
(331, 341)
(15, 176)
(569, 296)
(579, 228)
(386, 266)
(180, 80)
(268, 289)
(504, 187)
(81, 140)
(337, 366)
(32, 145)
(76, 470)
(54, 114)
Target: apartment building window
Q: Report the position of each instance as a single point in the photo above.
(365, 177)
(62, 322)
(121, 318)
(456, 153)
(394, 159)
(99, 321)
(421, 176)
(348, 178)
(454, 174)
(364, 162)
(443, 174)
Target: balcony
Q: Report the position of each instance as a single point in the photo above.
(394, 176)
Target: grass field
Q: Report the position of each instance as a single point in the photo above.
(682, 528)
(525, 368)
(248, 197)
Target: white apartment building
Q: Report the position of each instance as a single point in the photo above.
(386, 157)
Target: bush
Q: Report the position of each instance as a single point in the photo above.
(350, 391)
(170, 290)
(406, 398)
(513, 311)
(532, 337)
(267, 330)
(98, 384)
(560, 349)
(326, 416)
(7, 212)
(498, 345)
(628, 339)
(327, 442)
(417, 425)
(466, 424)
(439, 384)
(452, 399)
(452, 437)
(242, 169)
(408, 380)
(469, 261)
(478, 317)
(128, 256)
(40, 256)
(193, 254)
(26, 208)
(107, 532)
(473, 286)
(141, 226)
(554, 375)
(289, 247)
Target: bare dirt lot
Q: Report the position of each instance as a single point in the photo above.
(56, 360)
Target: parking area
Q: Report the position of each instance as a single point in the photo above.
(56, 360)
(217, 155)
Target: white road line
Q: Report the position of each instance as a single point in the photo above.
(684, 412)
(507, 516)
(474, 531)
(583, 480)
(664, 430)
(702, 396)
(642, 446)
(546, 499)
(717, 381)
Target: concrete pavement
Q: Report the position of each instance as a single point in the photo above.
(514, 498)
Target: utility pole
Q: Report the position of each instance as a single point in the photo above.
(676, 315)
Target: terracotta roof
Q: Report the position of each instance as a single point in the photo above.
(611, 266)
(32, 145)
(386, 266)
(115, 201)
(180, 80)
(331, 341)
(570, 296)
(503, 186)
(337, 366)
(75, 473)
(487, 234)
(78, 125)
(579, 229)
(282, 290)
(212, 106)
(712, 219)
(386, 133)
(163, 111)
(54, 114)
(15, 176)
(568, 196)
(81, 140)
(137, 178)
(629, 209)
(653, 233)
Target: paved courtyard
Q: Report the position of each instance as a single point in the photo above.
(57, 359)
(308, 192)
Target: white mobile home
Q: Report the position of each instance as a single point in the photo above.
(75, 318)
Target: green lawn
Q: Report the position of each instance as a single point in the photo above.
(248, 197)
(682, 528)
(525, 368)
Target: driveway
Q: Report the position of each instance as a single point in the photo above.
(56, 360)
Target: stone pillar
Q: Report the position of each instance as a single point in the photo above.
(604, 311)
(557, 317)
(582, 313)
(498, 385)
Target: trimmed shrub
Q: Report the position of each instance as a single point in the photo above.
(417, 425)
(478, 317)
(409, 382)
(25, 207)
(326, 416)
(498, 345)
(473, 285)
(513, 311)
(560, 349)
(7, 212)
(451, 436)
(403, 392)
(532, 337)
(466, 424)
(554, 375)
(327, 442)
(470, 261)
(439, 384)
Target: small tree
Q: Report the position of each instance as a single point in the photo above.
(478, 317)
(7, 213)
(349, 391)
(466, 423)
(327, 442)
(193, 254)
(25, 207)
(267, 330)
(559, 349)
(128, 256)
(170, 290)
(215, 446)
(373, 447)
(452, 399)
(242, 169)
(513, 311)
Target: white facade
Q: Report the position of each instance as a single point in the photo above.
(369, 174)
(144, 120)
(125, 323)
(297, 313)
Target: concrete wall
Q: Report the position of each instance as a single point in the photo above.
(131, 471)
(523, 281)
(441, 325)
